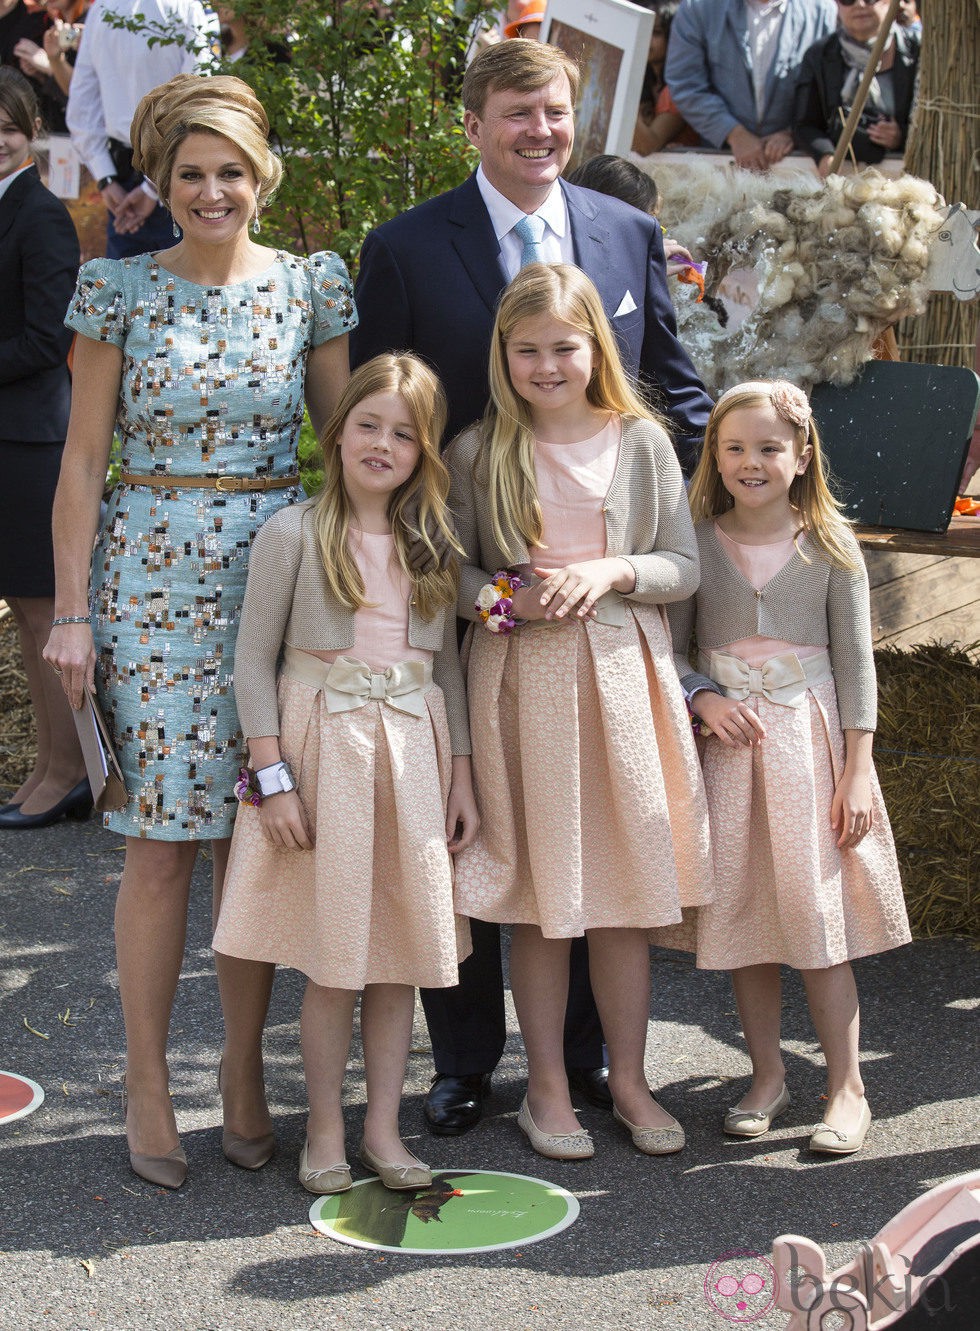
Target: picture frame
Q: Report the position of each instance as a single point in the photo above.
(610, 41)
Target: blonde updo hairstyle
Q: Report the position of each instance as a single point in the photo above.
(199, 104)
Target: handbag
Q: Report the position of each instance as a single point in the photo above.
(102, 768)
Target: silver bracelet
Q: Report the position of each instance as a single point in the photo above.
(70, 619)
(275, 779)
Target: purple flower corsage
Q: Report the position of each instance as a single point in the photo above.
(495, 603)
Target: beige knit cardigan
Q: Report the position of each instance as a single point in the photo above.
(648, 521)
(810, 603)
(288, 603)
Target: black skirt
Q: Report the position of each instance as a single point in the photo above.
(29, 475)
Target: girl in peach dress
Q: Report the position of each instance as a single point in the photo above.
(805, 867)
(571, 509)
(340, 863)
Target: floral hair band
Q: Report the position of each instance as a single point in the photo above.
(789, 401)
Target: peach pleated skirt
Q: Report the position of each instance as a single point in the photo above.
(784, 892)
(592, 807)
(372, 903)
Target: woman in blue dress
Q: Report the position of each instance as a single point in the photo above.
(199, 357)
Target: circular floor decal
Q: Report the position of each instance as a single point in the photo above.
(458, 1213)
(19, 1096)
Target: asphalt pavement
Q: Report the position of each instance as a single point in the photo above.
(84, 1243)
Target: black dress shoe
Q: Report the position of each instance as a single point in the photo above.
(8, 808)
(593, 1084)
(76, 804)
(453, 1105)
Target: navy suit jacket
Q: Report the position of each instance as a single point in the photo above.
(429, 281)
(38, 267)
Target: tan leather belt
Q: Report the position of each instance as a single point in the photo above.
(226, 484)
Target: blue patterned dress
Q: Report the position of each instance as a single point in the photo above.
(212, 384)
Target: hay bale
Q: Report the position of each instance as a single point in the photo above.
(17, 729)
(927, 755)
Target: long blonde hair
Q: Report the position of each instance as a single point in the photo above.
(416, 510)
(809, 493)
(506, 454)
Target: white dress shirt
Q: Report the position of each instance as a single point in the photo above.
(115, 68)
(764, 18)
(7, 181)
(556, 243)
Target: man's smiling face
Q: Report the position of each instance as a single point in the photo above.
(524, 139)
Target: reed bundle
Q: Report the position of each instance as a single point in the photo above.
(944, 148)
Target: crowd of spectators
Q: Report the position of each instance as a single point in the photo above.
(759, 78)
(765, 78)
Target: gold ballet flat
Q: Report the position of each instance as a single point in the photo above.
(754, 1122)
(654, 1141)
(400, 1178)
(323, 1182)
(555, 1145)
(830, 1141)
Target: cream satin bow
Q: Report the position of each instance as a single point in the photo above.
(782, 679)
(351, 684)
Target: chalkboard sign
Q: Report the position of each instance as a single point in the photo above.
(896, 441)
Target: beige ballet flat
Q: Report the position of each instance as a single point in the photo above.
(400, 1178)
(654, 1141)
(829, 1141)
(323, 1182)
(754, 1122)
(555, 1145)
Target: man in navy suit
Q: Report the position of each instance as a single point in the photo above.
(429, 281)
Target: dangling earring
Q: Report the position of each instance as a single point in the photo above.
(256, 224)
(176, 230)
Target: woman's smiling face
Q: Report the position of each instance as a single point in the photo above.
(212, 188)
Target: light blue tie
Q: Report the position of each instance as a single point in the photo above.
(531, 231)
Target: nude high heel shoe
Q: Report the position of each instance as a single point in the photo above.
(166, 1171)
(246, 1152)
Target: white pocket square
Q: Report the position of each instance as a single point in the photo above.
(626, 306)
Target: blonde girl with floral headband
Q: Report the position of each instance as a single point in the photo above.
(784, 690)
(570, 506)
(351, 696)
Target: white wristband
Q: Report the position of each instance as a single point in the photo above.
(275, 779)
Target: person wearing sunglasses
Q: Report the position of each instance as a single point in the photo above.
(831, 74)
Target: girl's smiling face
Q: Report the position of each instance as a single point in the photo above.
(379, 446)
(15, 146)
(550, 363)
(757, 456)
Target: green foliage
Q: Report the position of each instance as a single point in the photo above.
(310, 462)
(366, 114)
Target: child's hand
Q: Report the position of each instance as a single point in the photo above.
(462, 815)
(850, 809)
(733, 722)
(527, 603)
(283, 821)
(580, 585)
